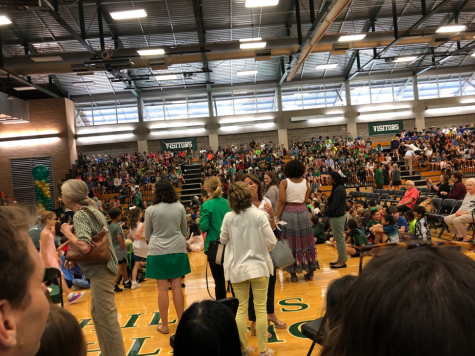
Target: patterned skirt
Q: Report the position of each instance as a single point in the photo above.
(299, 233)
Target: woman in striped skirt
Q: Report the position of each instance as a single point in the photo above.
(292, 209)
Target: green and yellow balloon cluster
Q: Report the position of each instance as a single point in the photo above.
(43, 194)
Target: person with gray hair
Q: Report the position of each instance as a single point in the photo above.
(464, 216)
(408, 202)
(74, 194)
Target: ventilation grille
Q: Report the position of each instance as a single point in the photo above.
(23, 182)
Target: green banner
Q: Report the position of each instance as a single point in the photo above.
(179, 144)
(385, 128)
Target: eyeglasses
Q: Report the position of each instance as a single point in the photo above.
(377, 250)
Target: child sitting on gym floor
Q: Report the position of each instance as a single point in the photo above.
(386, 231)
(355, 239)
(422, 230)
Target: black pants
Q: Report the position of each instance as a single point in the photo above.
(220, 283)
(270, 299)
(403, 208)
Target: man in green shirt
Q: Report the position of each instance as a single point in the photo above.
(138, 197)
(378, 177)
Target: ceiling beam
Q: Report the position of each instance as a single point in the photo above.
(26, 82)
(110, 25)
(366, 28)
(64, 24)
(406, 33)
(414, 27)
(318, 20)
(457, 11)
(201, 38)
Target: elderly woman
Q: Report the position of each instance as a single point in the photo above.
(101, 275)
(248, 235)
(167, 259)
(456, 222)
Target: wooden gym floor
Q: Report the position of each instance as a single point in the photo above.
(295, 303)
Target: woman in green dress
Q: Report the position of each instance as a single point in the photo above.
(167, 259)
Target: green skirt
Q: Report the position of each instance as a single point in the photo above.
(169, 266)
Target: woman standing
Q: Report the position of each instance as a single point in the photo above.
(167, 260)
(292, 208)
(271, 185)
(211, 219)
(396, 176)
(189, 155)
(264, 204)
(101, 275)
(395, 146)
(335, 210)
(249, 238)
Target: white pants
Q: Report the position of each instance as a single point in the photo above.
(457, 224)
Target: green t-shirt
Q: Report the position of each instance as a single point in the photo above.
(412, 227)
(372, 223)
(360, 238)
(137, 198)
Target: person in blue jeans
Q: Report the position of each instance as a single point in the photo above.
(71, 274)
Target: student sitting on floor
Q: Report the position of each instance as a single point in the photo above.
(422, 230)
(386, 231)
(318, 230)
(355, 239)
(411, 225)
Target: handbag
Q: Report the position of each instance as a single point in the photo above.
(99, 252)
(216, 252)
(281, 255)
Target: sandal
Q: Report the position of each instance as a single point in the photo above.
(268, 352)
(250, 350)
(294, 279)
(253, 332)
(278, 324)
(163, 330)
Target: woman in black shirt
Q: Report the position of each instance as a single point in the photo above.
(441, 186)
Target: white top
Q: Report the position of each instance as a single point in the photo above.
(139, 247)
(295, 192)
(249, 238)
(467, 203)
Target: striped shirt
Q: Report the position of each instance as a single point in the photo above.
(85, 228)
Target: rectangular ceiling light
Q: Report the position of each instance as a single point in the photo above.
(24, 88)
(166, 77)
(448, 29)
(405, 59)
(32, 137)
(103, 133)
(473, 54)
(151, 52)
(47, 59)
(248, 45)
(335, 116)
(327, 66)
(351, 38)
(79, 84)
(4, 20)
(261, 3)
(246, 72)
(132, 14)
(255, 39)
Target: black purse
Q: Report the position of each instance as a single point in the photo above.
(216, 252)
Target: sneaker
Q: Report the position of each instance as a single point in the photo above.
(117, 289)
(127, 285)
(141, 279)
(74, 297)
(328, 243)
(135, 285)
(82, 283)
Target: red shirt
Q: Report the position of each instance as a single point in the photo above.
(411, 193)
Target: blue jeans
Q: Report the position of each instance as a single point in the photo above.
(122, 198)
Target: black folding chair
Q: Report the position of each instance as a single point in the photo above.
(377, 191)
(384, 198)
(437, 202)
(55, 292)
(310, 330)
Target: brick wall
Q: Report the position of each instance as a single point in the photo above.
(245, 138)
(46, 115)
(118, 148)
(309, 132)
(448, 121)
(363, 127)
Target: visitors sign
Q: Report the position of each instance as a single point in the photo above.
(385, 128)
(179, 144)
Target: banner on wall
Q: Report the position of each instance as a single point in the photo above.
(179, 144)
(385, 128)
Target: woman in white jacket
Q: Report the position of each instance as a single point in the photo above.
(249, 238)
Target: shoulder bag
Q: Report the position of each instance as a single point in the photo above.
(99, 252)
(281, 254)
(216, 252)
